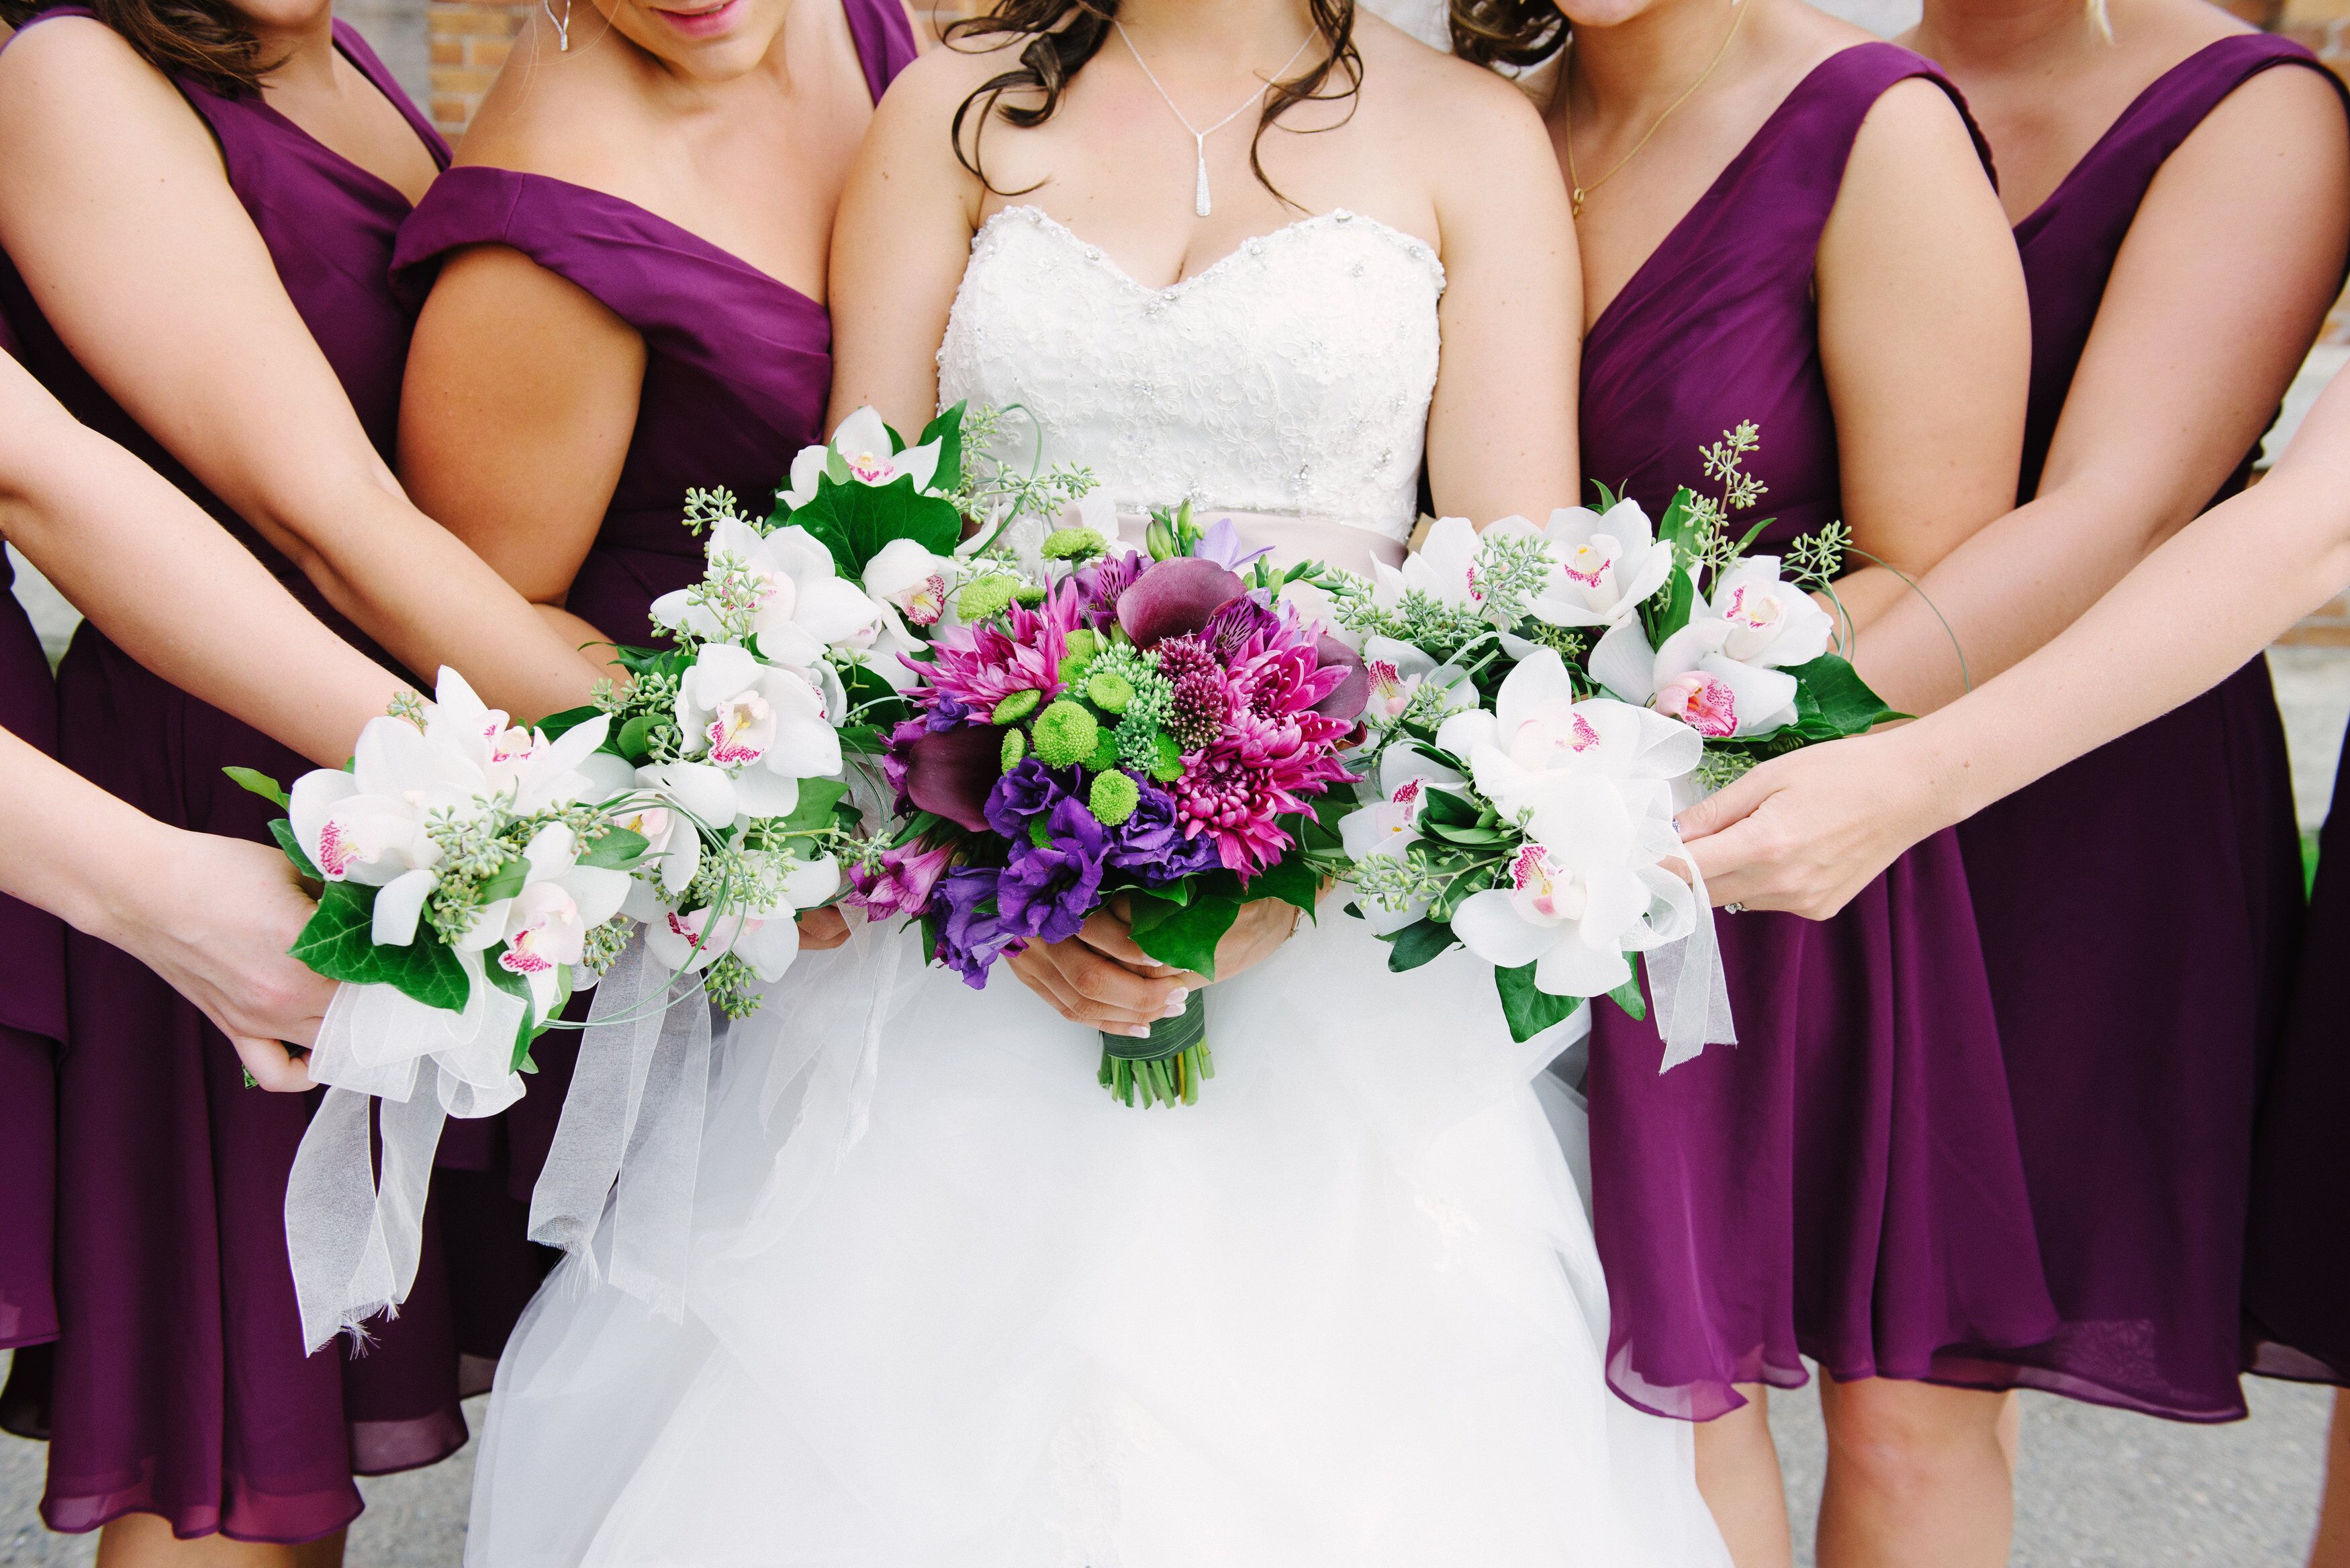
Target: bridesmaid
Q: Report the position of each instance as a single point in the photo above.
(197, 208)
(1801, 235)
(626, 299)
(2139, 907)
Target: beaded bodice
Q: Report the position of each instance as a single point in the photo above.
(1293, 377)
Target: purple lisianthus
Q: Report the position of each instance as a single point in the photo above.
(1150, 844)
(1030, 790)
(972, 934)
(1221, 543)
(901, 884)
(1047, 890)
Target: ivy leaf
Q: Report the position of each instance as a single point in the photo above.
(1417, 944)
(947, 431)
(557, 724)
(818, 797)
(1627, 997)
(1183, 935)
(282, 831)
(339, 942)
(618, 850)
(1529, 1009)
(854, 521)
(260, 784)
(1832, 700)
(1292, 881)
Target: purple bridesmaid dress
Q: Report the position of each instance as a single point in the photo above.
(178, 1386)
(2297, 1268)
(32, 1015)
(737, 369)
(1843, 1183)
(2139, 910)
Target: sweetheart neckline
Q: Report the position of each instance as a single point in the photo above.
(1254, 245)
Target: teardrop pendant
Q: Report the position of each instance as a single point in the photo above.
(1199, 203)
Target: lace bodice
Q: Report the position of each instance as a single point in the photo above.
(1292, 377)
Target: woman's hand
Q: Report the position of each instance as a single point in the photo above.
(215, 921)
(1102, 978)
(1807, 832)
(821, 930)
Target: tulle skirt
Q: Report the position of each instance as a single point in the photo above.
(950, 1305)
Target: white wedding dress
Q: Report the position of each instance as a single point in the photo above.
(951, 1306)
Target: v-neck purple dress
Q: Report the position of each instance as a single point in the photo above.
(177, 1384)
(1843, 1183)
(738, 367)
(32, 1014)
(2139, 911)
(2297, 1263)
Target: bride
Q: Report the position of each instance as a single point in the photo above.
(950, 1305)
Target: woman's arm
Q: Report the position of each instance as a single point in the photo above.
(514, 420)
(1500, 431)
(1807, 831)
(2182, 372)
(172, 589)
(114, 208)
(1926, 334)
(212, 916)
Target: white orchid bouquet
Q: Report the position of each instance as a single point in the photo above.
(1545, 698)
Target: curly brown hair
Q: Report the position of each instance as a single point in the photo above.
(1063, 34)
(204, 41)
(1507, 32)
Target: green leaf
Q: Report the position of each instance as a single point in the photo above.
(1448, 809)
(514, 985)
(1831, 700)
(508, 882)
(1528, 1007)
(1470, 834)
(282, 831)
(338, 942)
(1292, 881)
(618, 850)
(854, 521)
(630, 741)
(1627, 997)
(1183, 935)
(818, 797)
(571, 719)
(947, 431)
(1417, 944)
(260, 784)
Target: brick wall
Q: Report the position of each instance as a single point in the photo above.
(469, 40)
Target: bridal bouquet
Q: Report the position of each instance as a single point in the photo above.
(1086, 723)
(1543, 699)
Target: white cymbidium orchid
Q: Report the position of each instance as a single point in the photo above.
(1604, 565)
(914, 588)
(368, 826)
(1587, 891)
(1723, 674)
(1444, 569)
(1390, 824)
(766, 940)
(862, 444)
(1539, 730)
(670, 804)
(764, 726)
(546, 925)
(802, 607)
(1398, 672)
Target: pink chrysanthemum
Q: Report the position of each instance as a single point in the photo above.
(1274, 755)
(980, 666)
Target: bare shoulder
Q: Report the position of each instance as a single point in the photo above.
(1464, 124)
(570, 115)
(942, 76)
(2286, 107)
(1915, 130)
(63, 77)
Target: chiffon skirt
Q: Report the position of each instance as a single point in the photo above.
(2297, 1270)
(2140, 911)
(950, 1305)
(178, 1384)
(1843, 1184)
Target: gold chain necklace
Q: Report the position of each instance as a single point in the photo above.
(1577, 189)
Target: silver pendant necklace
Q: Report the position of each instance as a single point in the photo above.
(1200, 202)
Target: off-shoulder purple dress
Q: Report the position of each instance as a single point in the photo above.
(177, 1384)
(737, 369)
(2297, 1268)
(2139, 911)
(32, 1014)
(1843, 1183)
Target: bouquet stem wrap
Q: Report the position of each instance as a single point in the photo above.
(353, 1237)
(632, 1121)
(1687, 986)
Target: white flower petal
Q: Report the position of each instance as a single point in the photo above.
(1488, 925)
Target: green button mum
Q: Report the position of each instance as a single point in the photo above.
(1114, 798)
(1066, 735)
(1017, 706)
(984, 597)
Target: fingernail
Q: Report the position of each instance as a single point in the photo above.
(1177, 997)
(1139, 1031)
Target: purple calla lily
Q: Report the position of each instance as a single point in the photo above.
(1346, 701)
(951, 771)
(1175, 598)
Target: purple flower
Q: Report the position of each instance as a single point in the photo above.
(947, 771)
(971, 935)
(1101, 583)
(1174, 599)
(1029, 791)
(1347, 699)
(1221, 544)
(1047, 890)
(1151, 846)
(902, 886)
(1235, 621)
